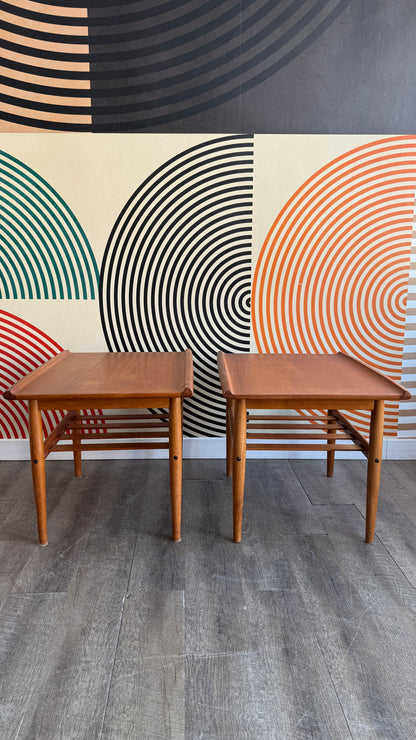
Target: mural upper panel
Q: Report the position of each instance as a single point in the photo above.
(264, 66)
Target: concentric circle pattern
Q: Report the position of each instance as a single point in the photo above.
(130, 66)
(177, 267)
(333, 271)
(44, 252)
(23, 347)
(45, 66)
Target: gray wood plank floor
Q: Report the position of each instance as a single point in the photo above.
(114, 631)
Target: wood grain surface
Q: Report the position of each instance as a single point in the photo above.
(111, 375)
(115, 631)
(338, 376)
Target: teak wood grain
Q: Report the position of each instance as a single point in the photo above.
(111, 375)
(339, 376)
(108, 380)
(331, 382)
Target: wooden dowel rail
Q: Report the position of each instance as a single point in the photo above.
(292, 417)
(129, 417)
(117, 425)
(118, 435)
(295, 435)
(114, 446)
(308, 425)
(50, 441)
(301, 447)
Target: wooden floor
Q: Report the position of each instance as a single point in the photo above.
(301, 631)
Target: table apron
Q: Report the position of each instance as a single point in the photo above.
(307, 403)
(106, 403)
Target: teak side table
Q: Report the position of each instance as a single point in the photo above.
(107, 380)
(330, 382)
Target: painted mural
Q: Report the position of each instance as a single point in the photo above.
(23, 347)
(333, 271)
(176, 272)
(265, 66)
(188, 259)
(214, 175)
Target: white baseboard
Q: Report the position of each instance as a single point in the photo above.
(403, 448)
(208, 448)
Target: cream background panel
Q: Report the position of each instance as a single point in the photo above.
(75, 325)
(96, 174)
(283, 163)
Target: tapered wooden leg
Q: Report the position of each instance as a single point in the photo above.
(76, 436)
(175, 464)
(330, 455)
(374, 467)
(229, 433)
(239, 465)
(37, 456)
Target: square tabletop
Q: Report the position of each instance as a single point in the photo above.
(290, 376)
(115, 375)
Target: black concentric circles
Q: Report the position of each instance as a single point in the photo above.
(176, 272)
